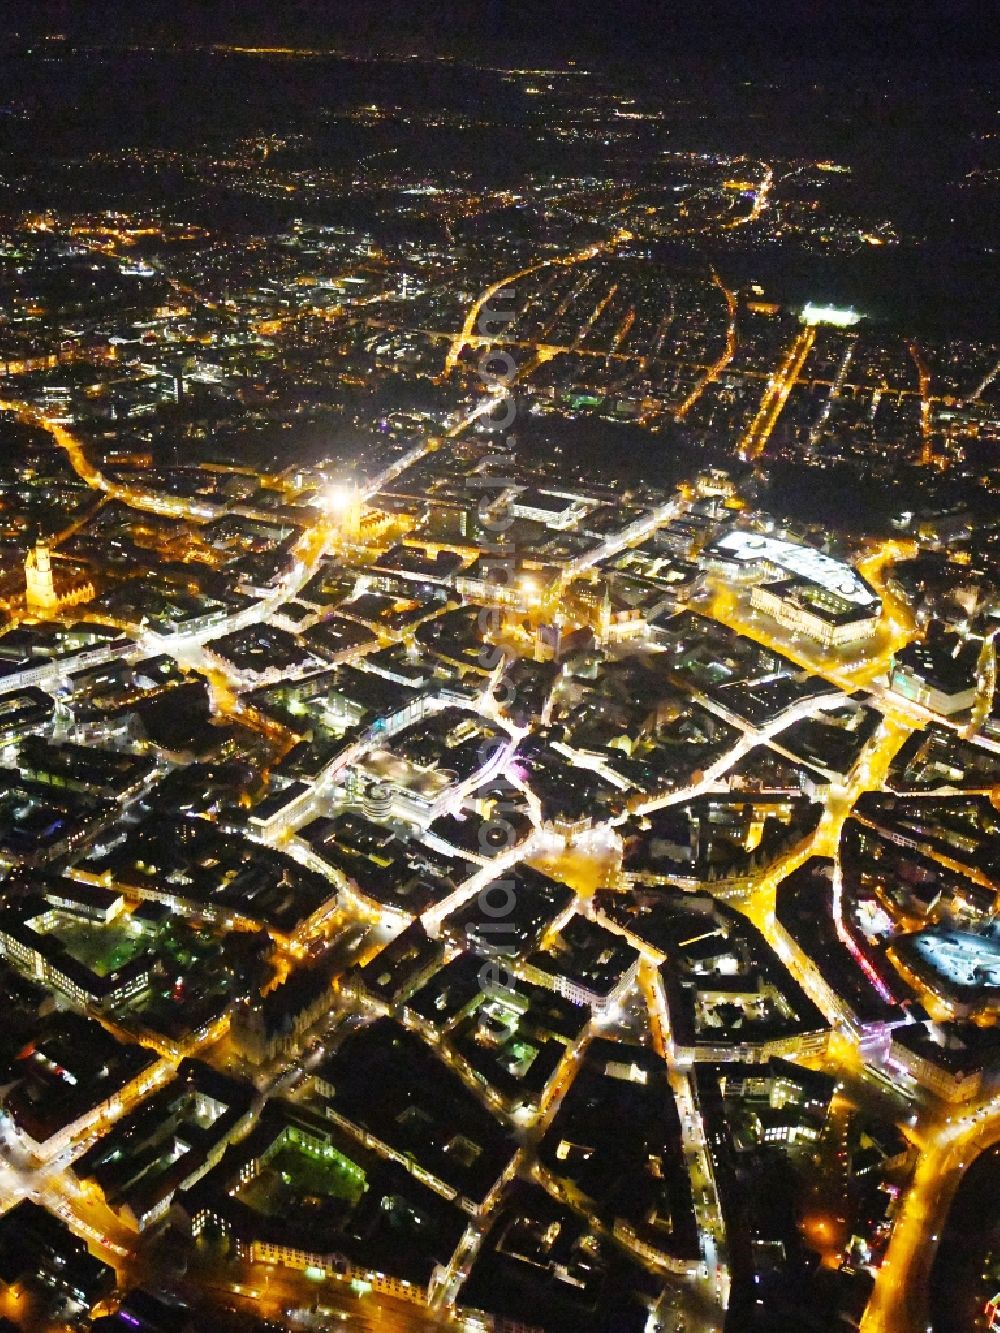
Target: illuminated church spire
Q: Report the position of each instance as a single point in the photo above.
(42, 594)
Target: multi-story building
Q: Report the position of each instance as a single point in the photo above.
(807, 608)
(938, 674)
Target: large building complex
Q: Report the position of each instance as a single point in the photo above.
(804, 590)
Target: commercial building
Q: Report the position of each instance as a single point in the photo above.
(749, 556)
(804, 590)
(949, 1059)
(380, 1225)
(40, 1250)
(807, 608)
(29, 938)
(167, 1144)
(938, 674)
(69, 1076)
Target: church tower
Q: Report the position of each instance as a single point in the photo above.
(42, 594)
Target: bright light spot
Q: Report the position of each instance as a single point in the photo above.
(841, 317)
(339, 498)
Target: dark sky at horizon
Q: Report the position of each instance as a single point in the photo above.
(926, 38)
